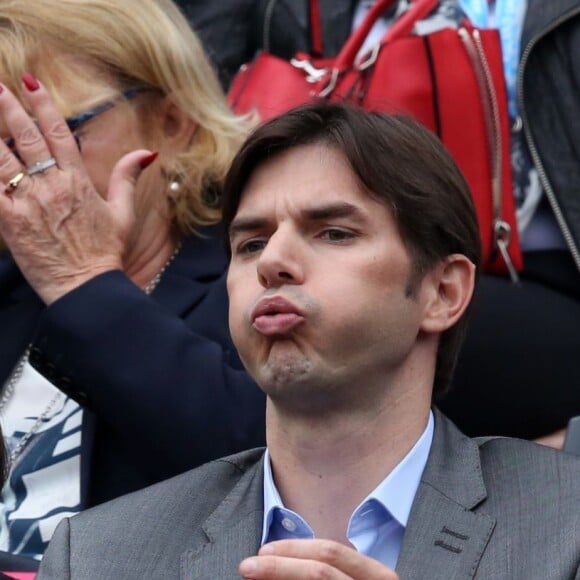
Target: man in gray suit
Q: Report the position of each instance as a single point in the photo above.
(354, 252)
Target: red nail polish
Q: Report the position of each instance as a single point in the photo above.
(1, 89)
(147, 161)
(30, 82)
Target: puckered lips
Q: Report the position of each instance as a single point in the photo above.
(275, 316)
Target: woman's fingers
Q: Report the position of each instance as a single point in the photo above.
(122, 184)
(11, 168)
(59, 230)
(29, 147)
(56, 136)
(26, 138)
(45, 137)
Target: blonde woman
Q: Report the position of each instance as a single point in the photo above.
(115, 140)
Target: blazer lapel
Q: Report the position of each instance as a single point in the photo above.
(444, 538)
(221, 558)
(233, 531)
(191, 275)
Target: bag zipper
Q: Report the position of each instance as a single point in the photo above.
(502, 233)
(268, 14)
(566, 233)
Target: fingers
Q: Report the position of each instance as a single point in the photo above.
(26, 137)
(57, 140)
(555, 440)
(123, 180)
(37, 141)
(280, 568)
(10, 166)
(312, 557)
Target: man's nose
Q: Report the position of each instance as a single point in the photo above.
(280, 261)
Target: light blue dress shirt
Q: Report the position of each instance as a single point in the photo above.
(377, 525)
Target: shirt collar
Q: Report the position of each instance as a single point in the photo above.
(272, 499)
(395, 493)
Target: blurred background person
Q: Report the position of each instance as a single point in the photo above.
(118, 300)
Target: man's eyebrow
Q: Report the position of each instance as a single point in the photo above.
(323, 212)
(246, 224)
(333, 210)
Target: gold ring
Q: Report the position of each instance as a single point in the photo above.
(14, 182)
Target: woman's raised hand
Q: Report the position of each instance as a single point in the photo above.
(60, 231)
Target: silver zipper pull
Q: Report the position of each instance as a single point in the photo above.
(517, 125)
(502, 236)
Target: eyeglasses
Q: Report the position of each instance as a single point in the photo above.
(76, 122)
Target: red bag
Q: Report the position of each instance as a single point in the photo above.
(450, 80)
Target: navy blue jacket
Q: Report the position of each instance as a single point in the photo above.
(158, 375)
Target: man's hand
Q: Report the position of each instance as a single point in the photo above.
(555, 440)
(300, 559)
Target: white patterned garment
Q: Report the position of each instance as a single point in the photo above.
(44, 484)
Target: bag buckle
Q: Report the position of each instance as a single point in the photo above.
(369, 59)
(330, 85)
(313, 74)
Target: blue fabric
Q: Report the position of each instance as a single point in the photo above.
(377, 525)
(508, 17)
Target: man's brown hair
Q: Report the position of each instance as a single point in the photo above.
(399, 163)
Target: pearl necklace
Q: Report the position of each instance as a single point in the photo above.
(19, 370)
(154, 282)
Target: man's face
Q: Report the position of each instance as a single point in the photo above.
(319, 308)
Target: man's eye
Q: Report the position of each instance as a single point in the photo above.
(251, 246)
(337, 235)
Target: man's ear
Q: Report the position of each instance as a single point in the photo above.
(449, 288)
(178, 128)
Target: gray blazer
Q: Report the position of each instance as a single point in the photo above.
(489, 508)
